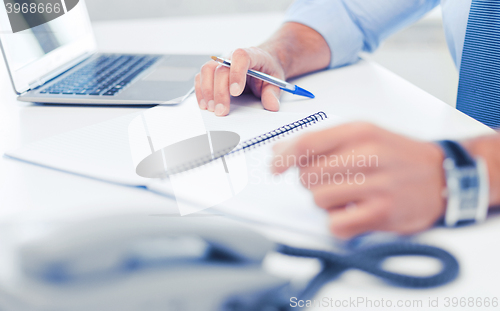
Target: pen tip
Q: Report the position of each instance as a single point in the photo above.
(300, 91)
(214, 58)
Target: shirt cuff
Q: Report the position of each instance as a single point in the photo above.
(330, 19)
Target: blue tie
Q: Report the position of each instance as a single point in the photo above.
(479, 86)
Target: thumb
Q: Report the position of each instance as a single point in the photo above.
(270, 97)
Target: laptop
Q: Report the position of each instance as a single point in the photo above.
(57, 62)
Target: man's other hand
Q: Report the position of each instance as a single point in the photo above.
(368, 179)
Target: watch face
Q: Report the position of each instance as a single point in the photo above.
(468, 181)
(466, 184)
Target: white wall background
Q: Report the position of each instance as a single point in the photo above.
(124, 9)
(418, 53)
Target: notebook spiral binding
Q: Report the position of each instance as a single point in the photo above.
(280, 132)
(253, 142)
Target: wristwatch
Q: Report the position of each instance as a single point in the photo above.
(467, 185)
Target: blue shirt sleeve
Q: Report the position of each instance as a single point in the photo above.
(352, 26)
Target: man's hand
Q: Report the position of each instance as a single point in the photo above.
(215, 83)
(293, 50)
(369, 179)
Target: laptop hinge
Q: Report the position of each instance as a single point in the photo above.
(34, 85)
(42, 80)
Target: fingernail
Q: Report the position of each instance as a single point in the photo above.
(278, 100)
(235, 89)
(220, 109)
(211, 105)
(203, 104)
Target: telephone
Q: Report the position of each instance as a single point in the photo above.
(198, 262)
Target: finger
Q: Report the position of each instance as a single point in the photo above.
(240, 63)
(207, 84)
(270, 97)
(332, 196)
(349, 166)
(364, 217)
(221, 91)
(197, 89)
(327, 141)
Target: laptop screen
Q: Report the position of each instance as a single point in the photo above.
(35, 52)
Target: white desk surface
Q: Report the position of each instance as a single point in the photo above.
(363, 91)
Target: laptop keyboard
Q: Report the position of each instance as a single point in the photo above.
(106, 75)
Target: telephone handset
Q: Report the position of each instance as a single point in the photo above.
(198, 262)
(126, 239)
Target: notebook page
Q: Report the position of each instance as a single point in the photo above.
(249, 122)
(247, 118)
(278, 200)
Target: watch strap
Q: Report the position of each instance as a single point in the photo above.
(456, 152)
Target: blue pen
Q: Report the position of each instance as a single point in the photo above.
(285, 86)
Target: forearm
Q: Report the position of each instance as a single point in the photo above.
(488, 148)
(299, 49)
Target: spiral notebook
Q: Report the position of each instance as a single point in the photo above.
(102, 151)
(251, 143)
